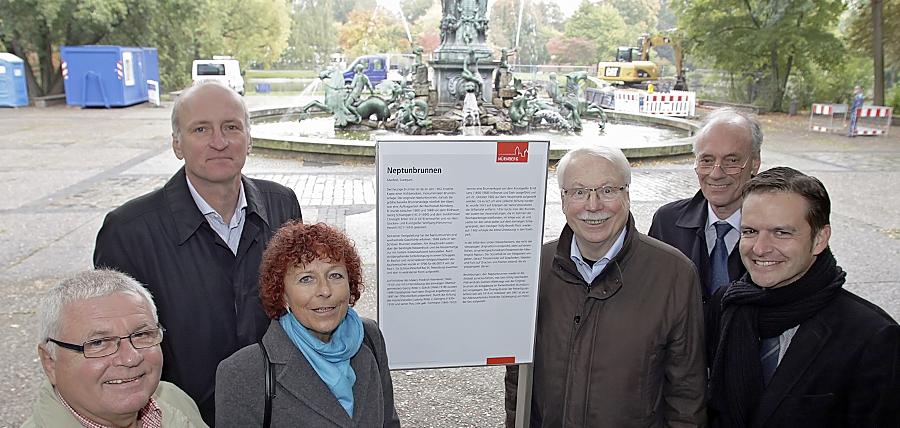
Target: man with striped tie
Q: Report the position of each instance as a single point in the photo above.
(795, 349)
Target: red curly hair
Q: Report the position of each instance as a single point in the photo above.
(297, 244)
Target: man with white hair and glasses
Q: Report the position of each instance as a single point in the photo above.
(706, 227)
(99, 346)
(619, 339)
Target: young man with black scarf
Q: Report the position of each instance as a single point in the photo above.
(788, 345)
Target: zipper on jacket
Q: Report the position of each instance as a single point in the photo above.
(577, 319)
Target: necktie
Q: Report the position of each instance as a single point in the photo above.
(768, 356)
(718, 259)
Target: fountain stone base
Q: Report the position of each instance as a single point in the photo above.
(447, 67)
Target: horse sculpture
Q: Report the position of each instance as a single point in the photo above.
(335, 100)
(337, 103)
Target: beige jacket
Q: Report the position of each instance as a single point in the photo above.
(178, 410)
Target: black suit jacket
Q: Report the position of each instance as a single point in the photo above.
(842, 369)
(681, 224)
(207, 296)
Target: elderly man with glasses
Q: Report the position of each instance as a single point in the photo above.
(706, 227)
(99, 347)
(619, 339)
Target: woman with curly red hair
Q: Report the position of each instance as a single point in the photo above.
(328, 365)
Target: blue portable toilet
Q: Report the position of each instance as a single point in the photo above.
(13, 87)
(108, 76)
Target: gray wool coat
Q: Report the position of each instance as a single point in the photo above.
(301, 398)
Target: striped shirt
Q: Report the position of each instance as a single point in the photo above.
(149, 417)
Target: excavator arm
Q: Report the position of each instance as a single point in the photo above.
(648, 41)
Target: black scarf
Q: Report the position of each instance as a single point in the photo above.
(749, 313)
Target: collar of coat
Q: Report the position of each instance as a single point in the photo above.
(183, 208)
(608, 283)
(694, 216)
(298, 378)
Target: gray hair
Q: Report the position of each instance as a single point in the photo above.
(735, 117)
(176, 109)
(82, 286)
(611, 154)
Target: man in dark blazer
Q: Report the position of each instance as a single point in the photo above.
(197, 242)
(795, 349)
(727, 156)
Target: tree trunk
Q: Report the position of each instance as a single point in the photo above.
(34, 90)
(878, 52)
(776, 90)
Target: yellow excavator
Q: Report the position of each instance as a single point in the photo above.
(633, 67)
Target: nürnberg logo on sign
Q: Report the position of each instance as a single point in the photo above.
(509, 151)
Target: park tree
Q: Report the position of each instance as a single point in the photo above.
(639, 15)
(249, 30)
(342, 8)
(665, 17)
(35, 29)
(602, 24)
(426, 29)
(550, 15)
(536, 29)
(572, 51)
(163, 25)
(766, 40)
(372, 31)
(415, 9)
(859, 36)
(313, 33)
(181, 30)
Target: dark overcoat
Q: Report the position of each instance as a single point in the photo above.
(208, 298)
(842, 369)
(682, 224)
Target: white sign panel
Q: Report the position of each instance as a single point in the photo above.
(153, 92)
(128, 66)
(460, 224)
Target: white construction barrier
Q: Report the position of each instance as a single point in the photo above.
(827, 117)
(873, 120)
(628, 101)
(674, 103)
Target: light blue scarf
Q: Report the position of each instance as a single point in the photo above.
(330, 360)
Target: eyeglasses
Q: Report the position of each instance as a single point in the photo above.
(706, 166)
(105, 346)
(604, 193)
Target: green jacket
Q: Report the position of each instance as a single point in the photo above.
(178, 410)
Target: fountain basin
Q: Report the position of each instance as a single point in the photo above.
(638, 135)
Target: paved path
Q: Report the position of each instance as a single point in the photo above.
(62, 169)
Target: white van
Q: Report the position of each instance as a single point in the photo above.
(223, 69)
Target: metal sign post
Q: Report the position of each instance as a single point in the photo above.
(523, 396)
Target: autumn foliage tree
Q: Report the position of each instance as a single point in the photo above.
(603, 26)
(572, 51)
(372, 31)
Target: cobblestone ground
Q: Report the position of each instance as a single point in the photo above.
(62, 169)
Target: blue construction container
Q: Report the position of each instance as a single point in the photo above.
(107, 76)
(13, 87)
(151, 64)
